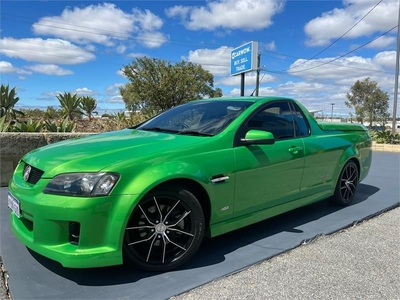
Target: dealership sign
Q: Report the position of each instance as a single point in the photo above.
(244, 58)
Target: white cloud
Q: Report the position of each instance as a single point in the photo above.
(84, 92)
(115, 99)
(121, 49)
(49, 69)
(134, 55)
(7, 68)
(382, 42)
(50, 51)
(52, 94)
(178, 11)
(102, 24)
(386, 59)
(217, 61)
(332, 24)
(120, 73)
(113, 90)
(269, 46)
(90, 48)
(93, 23)
(341, 69)
(147, 20)
(301, 88)
(151, 39)
(228, 14)
(250, 79)
(263, 91)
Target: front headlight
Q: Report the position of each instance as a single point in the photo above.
(82, 184)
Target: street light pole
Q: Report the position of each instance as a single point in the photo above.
(396, 78)
(332, 112)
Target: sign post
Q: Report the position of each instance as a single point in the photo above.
(244, 59)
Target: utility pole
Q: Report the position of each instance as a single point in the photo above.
(332, 112)
(258, 74)
(396, 77)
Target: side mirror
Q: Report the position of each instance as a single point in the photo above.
(258, 137)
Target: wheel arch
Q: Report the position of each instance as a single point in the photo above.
(350, 154)
(194, 187)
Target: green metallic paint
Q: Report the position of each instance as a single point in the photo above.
(264, 180)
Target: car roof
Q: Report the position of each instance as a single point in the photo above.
(247, 98)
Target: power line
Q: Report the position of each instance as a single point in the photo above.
(363, 45)
(340, 65)
(181, 42)
(205, 64)
(334, 42)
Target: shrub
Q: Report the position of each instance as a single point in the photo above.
(63, 126)
(4, 126)
(385, 137)
(28, 126)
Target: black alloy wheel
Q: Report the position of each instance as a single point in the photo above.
(164, 231)
(347, 185)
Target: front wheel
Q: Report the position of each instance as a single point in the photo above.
(346, 185)
(164, 231)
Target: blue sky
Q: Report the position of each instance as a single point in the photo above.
(51, 47)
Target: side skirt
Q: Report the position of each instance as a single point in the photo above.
(245, 220)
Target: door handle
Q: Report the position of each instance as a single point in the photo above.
(295, 149)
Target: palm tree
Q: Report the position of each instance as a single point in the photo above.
(69, 105)
(88, 105)
(7, 101)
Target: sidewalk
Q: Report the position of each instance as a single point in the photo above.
(361, 262)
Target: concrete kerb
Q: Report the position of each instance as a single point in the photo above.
(385, 147)
(15, 145)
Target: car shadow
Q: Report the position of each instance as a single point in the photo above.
(212, 251)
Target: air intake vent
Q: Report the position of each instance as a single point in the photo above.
(34, 175)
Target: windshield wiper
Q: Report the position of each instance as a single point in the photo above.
(195, 132)
(186, 131)
(159, 129)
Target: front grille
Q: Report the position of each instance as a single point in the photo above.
(34, 175)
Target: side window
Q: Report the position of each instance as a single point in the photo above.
(301, 124)
(276, 118)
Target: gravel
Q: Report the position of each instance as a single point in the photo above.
(362, 262)
(3, 282)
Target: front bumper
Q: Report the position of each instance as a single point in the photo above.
(44, 225)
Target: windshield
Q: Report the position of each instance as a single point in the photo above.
(197, 118)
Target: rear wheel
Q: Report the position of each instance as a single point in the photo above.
(346, 185)
(164, 231)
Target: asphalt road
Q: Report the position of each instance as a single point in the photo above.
(361, 262)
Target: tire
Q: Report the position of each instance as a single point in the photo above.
(164, 231)
(346, 185)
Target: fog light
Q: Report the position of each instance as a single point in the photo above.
(74, 232)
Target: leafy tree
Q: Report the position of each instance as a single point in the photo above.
(156, 85)
(8, 99)
(368, 101)
(88, 105)
(70, 105)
